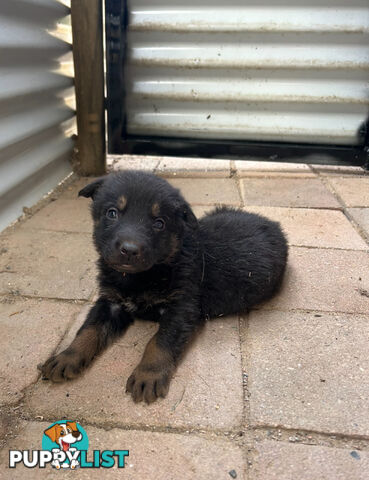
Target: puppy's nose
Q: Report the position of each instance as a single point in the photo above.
(130, 249)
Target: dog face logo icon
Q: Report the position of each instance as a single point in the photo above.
(65, 446)
(65, 439)
(64, 434)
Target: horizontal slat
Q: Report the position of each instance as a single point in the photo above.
(251, 51)
(16, 82)
(258, 125)
(238, 4)
(262, 90)
(59, 8)
(15, 34)
(25, 124)
(18, 169)
(35, 120)
(248, 18)
(33, 188)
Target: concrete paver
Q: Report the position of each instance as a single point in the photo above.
(308, 370)
(201, 191)
(168, 456)
(31, 329)
(199, 394)
(287, 192)
(361, 217)
(323, 279)
(193, 167)
(48, 264)
(354, 191)
(283, 461)
(314, 227)
(64, 215)
(338, 170)
(133, 162)
(248, 168)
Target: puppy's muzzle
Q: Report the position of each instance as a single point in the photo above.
(130, 251)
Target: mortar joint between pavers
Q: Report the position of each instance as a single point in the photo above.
(345, 211)
(314, 247)
(243, 329)
(229, 435)
(74, 301)
(155, 169)
(239, 190)
(309, 311)
(309, 437)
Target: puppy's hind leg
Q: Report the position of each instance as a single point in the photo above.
(105, 322)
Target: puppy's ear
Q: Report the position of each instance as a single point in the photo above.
(188, 216)
(91, 189)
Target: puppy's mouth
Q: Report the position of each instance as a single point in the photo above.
(129, 268)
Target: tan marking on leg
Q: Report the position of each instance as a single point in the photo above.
(155, 209)
(86, 343)
(155, 358)
(151, 378)
(122, 202)
(72, 361)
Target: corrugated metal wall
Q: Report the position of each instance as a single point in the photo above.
(265, 70)
(36, 102)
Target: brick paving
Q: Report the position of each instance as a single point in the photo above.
(282, 393)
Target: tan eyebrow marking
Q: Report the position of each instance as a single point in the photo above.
(155, 209)
(122, 202)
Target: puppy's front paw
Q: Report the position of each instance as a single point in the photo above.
(147, 384)
(65, 366)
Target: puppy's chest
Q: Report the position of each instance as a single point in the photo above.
(140, 302)
(139, 297)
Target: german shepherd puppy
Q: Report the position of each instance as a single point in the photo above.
(158, 262)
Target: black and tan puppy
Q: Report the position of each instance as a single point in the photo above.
(158, 262)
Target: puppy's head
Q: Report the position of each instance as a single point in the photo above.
(139, 220)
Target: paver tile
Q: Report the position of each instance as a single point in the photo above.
(323, 279)
(193, 167)
(281, 461)
(354, 191)
(62, 215)
(168, 456)
(287, 192)
(248, 168)
(133, 162)
(30, 330)
(309, 371)
(208, 191)
(314, 227)
(361, 217)
(47, 264)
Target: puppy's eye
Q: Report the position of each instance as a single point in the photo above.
(112, 213)
(62, 434)
(69, 430)
(159, 224)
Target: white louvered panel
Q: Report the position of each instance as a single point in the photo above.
(263, 71)
(36, 102)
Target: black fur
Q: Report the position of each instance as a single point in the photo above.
(179, 275)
